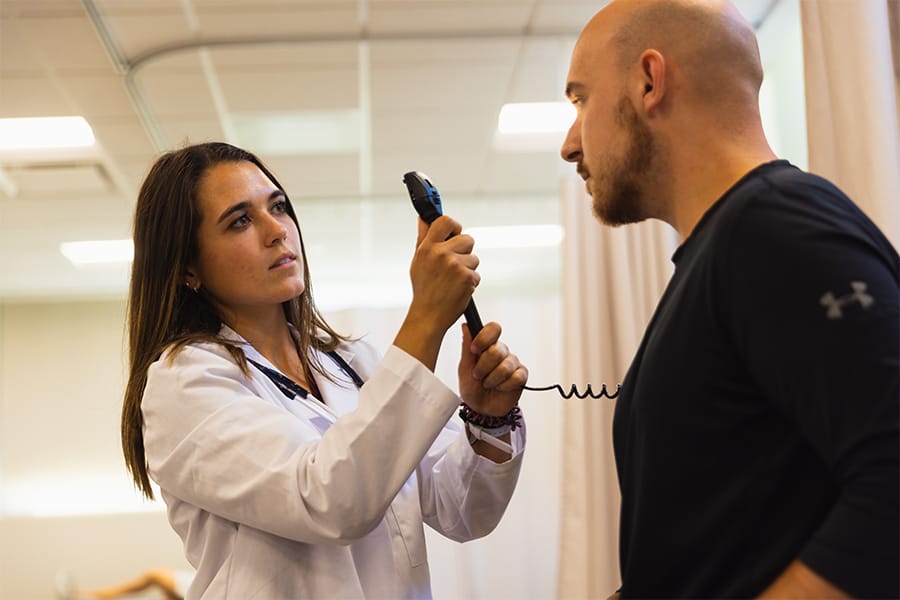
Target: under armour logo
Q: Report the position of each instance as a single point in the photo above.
(833, 304)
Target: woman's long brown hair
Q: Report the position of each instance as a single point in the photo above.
(162, 311)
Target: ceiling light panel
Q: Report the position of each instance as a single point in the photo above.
(35, 133)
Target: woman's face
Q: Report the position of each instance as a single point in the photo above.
(248, 249)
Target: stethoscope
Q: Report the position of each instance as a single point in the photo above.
(292, 389)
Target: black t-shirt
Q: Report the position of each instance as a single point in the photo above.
(758, 422)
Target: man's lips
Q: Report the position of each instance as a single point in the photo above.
(583, 172)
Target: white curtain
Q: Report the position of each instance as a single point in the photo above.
(613, 279)
(852, 61)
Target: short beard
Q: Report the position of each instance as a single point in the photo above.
(620, 190)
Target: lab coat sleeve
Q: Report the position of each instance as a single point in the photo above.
(213, 441)
(463, 495)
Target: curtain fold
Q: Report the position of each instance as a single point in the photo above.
(612, 280)
(850, 54)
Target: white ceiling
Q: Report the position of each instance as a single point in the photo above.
(421, 82)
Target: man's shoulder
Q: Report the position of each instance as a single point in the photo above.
(781, 198)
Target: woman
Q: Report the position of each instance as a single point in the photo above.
(295, 462)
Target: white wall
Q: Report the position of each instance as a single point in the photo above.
(67, 505)
(63, 483)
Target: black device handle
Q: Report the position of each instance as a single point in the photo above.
(427, 202)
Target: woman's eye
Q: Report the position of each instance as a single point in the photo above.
(241, 221)
(279, 207)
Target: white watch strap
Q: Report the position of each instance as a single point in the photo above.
(477, 433)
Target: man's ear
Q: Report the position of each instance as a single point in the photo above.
(653, 79)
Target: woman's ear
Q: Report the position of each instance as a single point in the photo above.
(191, 280)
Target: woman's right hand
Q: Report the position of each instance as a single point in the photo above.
(443, 279)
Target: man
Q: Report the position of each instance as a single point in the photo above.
(756, 433)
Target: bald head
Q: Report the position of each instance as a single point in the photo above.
(667, 108)
(712, 46)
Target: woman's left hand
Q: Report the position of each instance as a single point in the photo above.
(490, 376)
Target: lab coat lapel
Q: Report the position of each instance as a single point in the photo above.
(341, 395)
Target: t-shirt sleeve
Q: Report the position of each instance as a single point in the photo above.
(815, 316)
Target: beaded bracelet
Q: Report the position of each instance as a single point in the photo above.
(513, 418)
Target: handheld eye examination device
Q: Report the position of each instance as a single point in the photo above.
(427, 202)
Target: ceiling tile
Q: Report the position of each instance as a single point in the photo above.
(263, 20)
(180, 130)
(317, 55)
(315, 176)
(464, 86)
(452, 172)
(564, 15)
(63, 44)
(98, 95)
(43, 8)
(181, 93)
(468, 18)
(289, 89)
(33, 96)
(121, 137)
(435, 51)
(137, 34)
(53, 179)
(423, 129)
(15, 56)
(137, 7)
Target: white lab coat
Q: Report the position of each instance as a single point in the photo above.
(286, 499)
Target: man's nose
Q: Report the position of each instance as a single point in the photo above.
(571, 148)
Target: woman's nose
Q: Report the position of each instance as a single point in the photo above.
(277, 232)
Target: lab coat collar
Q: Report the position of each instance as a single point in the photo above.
(231, 335)
(339, 398)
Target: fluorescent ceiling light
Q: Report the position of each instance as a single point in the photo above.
(535, 117)
(516, 236)
(98, 252)
(45, 132)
